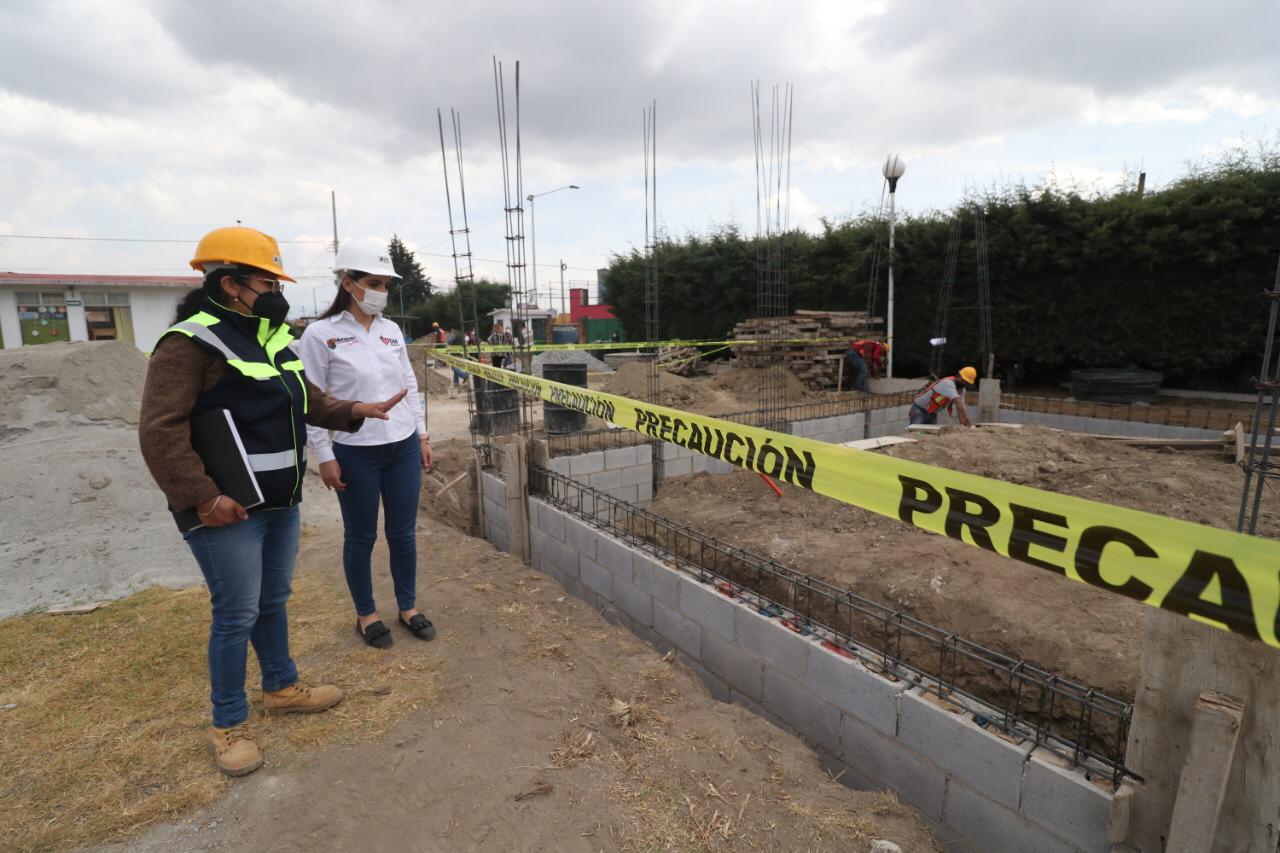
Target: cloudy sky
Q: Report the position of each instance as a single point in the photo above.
(162, 119)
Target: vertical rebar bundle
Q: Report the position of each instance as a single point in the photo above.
(942, 312)
(985, 345)
(1258, 468)
(513, 191)
(651, 242)
(462, 260)
(877, 252)
(773, 212)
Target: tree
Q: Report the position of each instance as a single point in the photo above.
(442, 308)
(414, 284)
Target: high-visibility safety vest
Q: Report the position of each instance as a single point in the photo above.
(931, 401)
(264, 390)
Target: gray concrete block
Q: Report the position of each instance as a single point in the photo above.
(497, 537)
(595, 577)
(620, 457)
(719, 467)
(605, 481)
(681, 467)
(649, 573)
(549, 519)
(637, 474)
(615, 555)
(537, 547)
(626, 494)
(768, 640)
(740, 670)
(493, 486)
(493, 509)
(966, 751)
(684, 633)
(715, 685)
(633, 601)
(814, 718)
(1065, 802)
(560, 556)
(854, 689)
(700, 463)
(586, 463)
(889, 764)
(992, 828)
(644, 493)
(560, 464)
(704, 605)
(580, 536)
(575, 588)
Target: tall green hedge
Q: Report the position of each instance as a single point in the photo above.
(1170, 281)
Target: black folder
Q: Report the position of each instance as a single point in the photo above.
(217, 441)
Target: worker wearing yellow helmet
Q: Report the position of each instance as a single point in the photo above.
(947, 393)
(224, 379)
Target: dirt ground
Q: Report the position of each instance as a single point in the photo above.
(551, 730)
(734, 390)
(1068, 628)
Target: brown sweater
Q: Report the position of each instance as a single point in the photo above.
(180, 370)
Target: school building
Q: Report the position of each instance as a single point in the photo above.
(44, 309)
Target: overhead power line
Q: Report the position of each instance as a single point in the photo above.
(139, 239)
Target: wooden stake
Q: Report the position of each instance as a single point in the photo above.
(1204, 778)
(516, 468)
(1182, 659)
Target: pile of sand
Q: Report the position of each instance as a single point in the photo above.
(80, 517)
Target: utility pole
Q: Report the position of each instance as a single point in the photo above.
(563, 308)
(894, 168)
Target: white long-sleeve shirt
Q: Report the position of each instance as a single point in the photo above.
(352, 364)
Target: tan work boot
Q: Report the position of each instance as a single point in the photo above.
(234, 751)
(298, 699)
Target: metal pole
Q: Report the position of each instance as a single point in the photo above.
(533, 244)
(563, 308)
(893, 186)
(333, 204)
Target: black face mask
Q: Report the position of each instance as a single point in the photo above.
(271, 306)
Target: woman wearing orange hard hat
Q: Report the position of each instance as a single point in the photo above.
(948, 393)
(227, 358)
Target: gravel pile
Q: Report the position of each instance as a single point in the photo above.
(594, 365)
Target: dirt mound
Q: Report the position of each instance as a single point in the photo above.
(1069, 628)
(632, 380)
(433, 383)
(90, 381)
(744, 384)
(453, 457)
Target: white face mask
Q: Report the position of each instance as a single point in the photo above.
(374, 300)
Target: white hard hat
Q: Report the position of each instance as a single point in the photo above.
(366, 255)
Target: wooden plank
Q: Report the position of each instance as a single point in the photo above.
(1181, 659)
(877, 443)
(76, 609)
(455, 481)
(516, 468)
(1238, 442)
(1203, 783)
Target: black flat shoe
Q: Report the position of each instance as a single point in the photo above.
(420, 626)
(375, 634)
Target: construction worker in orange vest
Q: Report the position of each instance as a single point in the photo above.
(948, 393)
(863, 357)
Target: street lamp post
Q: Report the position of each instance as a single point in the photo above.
(894, 168)
(533, 236)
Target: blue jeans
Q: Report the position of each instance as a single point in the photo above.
(248, 567)
(856, 369)
(392, 473)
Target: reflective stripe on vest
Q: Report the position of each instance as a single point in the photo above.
(273, 461)
(296, 367)
(197, 328)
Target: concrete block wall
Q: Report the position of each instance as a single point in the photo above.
(494, 495)
(625, 473)
(835, 430)
(1102, 426)
(888, 421)
(976, 786)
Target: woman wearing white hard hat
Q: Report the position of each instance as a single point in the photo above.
(350, 348)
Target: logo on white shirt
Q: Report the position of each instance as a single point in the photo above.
(332, 343)
(391, 342)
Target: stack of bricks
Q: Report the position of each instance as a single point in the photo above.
(817, 364)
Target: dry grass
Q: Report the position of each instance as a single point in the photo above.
(108, 733)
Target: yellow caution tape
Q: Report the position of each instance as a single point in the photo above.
(1218, 577)
(458, 349)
